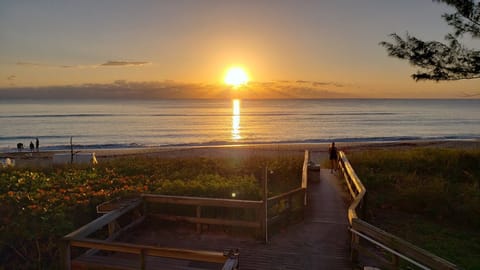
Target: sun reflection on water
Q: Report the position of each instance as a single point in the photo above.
(236, 120)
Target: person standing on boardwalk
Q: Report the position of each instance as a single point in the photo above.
(37, 144)
(333, 155)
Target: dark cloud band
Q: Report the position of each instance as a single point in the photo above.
(123, 63)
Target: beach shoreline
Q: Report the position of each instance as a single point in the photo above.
(44, 158)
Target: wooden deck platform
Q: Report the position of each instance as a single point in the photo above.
(321, 241)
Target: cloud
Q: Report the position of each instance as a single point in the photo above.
(302, 81)
(123, 63)
(316, 84)
(30, 64)
(168, 89)
(33, 64)
(299, 89)
(106, 64)
(320, 83)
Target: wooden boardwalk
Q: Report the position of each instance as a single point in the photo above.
(321, 241)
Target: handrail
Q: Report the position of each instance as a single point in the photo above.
(305, 175)
(104, 220)
(174, 253)
(398, 247)
(284, 195)
(200, 201)
(80, 239)
(305, 169)
(360, 188)
(422, 258)
(210, 221)
(388, 249)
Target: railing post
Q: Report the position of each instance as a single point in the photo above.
(304, 208)
(144, 205)
(364, 206)
(354, 247)
(260, 219)
(289, 208)
(142, 259)
(199, 214)
(395, 261)
(65, 254)
(111, 228)
(265, 205)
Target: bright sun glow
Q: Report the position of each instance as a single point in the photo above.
(236, 76)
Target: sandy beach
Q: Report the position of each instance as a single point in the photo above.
(318, 151)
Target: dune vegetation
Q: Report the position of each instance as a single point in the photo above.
(428, 196)
(40, 205)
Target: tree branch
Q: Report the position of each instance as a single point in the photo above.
(439, 61)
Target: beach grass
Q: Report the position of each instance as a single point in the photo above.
(40, 205)
(428, 196)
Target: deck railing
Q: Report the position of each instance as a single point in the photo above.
(287, 207)
(121, 216)
(117, 222)
(397, 249)
(200, 207)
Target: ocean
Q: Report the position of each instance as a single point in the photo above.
(94, 124)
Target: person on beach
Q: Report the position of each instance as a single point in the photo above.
(37, 144)
(19, 147)
(333, 155)
(32, 147)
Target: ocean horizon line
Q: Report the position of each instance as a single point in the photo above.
(152, 99)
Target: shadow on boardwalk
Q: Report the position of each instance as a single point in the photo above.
(321, 241)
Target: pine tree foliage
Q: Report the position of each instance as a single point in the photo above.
(444, 61)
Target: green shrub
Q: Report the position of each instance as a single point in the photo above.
(430, 197)
(433, 182)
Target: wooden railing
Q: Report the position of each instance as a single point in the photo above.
(280, 208)
(118, 221)
(397, 249)
(283, 207)
(305, 169)
(201, 204)
(355, 186)
(306, 159)
(123, 215)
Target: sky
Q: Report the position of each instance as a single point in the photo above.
(182, 48)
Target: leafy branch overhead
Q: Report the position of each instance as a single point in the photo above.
(444, 61)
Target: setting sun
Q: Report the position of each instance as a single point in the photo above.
(236, 76)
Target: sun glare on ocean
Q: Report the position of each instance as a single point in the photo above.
(236, 76)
